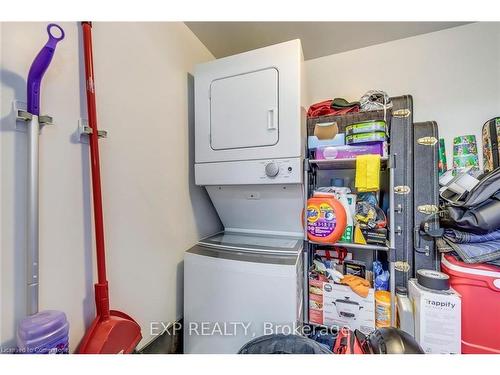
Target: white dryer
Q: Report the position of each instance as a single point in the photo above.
(248, 106)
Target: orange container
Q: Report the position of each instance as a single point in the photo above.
(326, 218)
(382, 308)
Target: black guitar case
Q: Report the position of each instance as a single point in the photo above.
(425, 194)
(401, 151)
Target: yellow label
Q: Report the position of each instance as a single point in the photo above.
(312, 213)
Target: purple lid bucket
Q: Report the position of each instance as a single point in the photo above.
(42, 333)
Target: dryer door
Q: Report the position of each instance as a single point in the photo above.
(244, 110)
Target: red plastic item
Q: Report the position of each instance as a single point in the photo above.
(346, 343)
(324, 109)
(111, 331)
(479, 287)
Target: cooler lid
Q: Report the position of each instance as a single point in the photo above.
(479, 269)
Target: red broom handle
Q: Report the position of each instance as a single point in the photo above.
(94, 152)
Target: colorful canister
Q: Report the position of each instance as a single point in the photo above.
(326, 218)
(382, 309)
(465, 152)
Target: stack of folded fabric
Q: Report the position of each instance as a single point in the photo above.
(472, 248)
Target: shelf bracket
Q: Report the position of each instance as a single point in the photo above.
(23, 117)
(84, 130)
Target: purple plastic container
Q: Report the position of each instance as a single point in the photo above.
(351, 151)
(46, 332)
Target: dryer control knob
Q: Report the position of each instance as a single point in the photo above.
(272, 169)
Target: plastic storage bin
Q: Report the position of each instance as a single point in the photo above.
(43, 333)
(366, 127)
(350, 152)
(479, 286)
(365, 138)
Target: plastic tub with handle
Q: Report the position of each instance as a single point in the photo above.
(42, 333)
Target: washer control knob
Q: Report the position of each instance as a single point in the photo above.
(272, 169)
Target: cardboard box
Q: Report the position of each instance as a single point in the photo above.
(337, 305)
(437, 318)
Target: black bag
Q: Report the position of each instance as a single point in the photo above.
(491, 138)
(479, 212)
(425, 193)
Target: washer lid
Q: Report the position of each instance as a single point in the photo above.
(258, 243)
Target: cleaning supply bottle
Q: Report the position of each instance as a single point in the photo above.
(326, 218)
(404, 311)
(382, 308)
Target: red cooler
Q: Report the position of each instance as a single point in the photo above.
(479, 286)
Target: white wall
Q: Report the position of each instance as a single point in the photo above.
(153, 212)
(453, 75)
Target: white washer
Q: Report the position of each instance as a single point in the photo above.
(237, 287)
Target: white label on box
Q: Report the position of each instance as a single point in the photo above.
(438, 329)
(344, 308)
(437, 319)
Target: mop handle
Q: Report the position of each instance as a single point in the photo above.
(38, 68)
(94, 152)
(32, 234)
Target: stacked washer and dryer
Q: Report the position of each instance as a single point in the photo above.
(249, 151)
